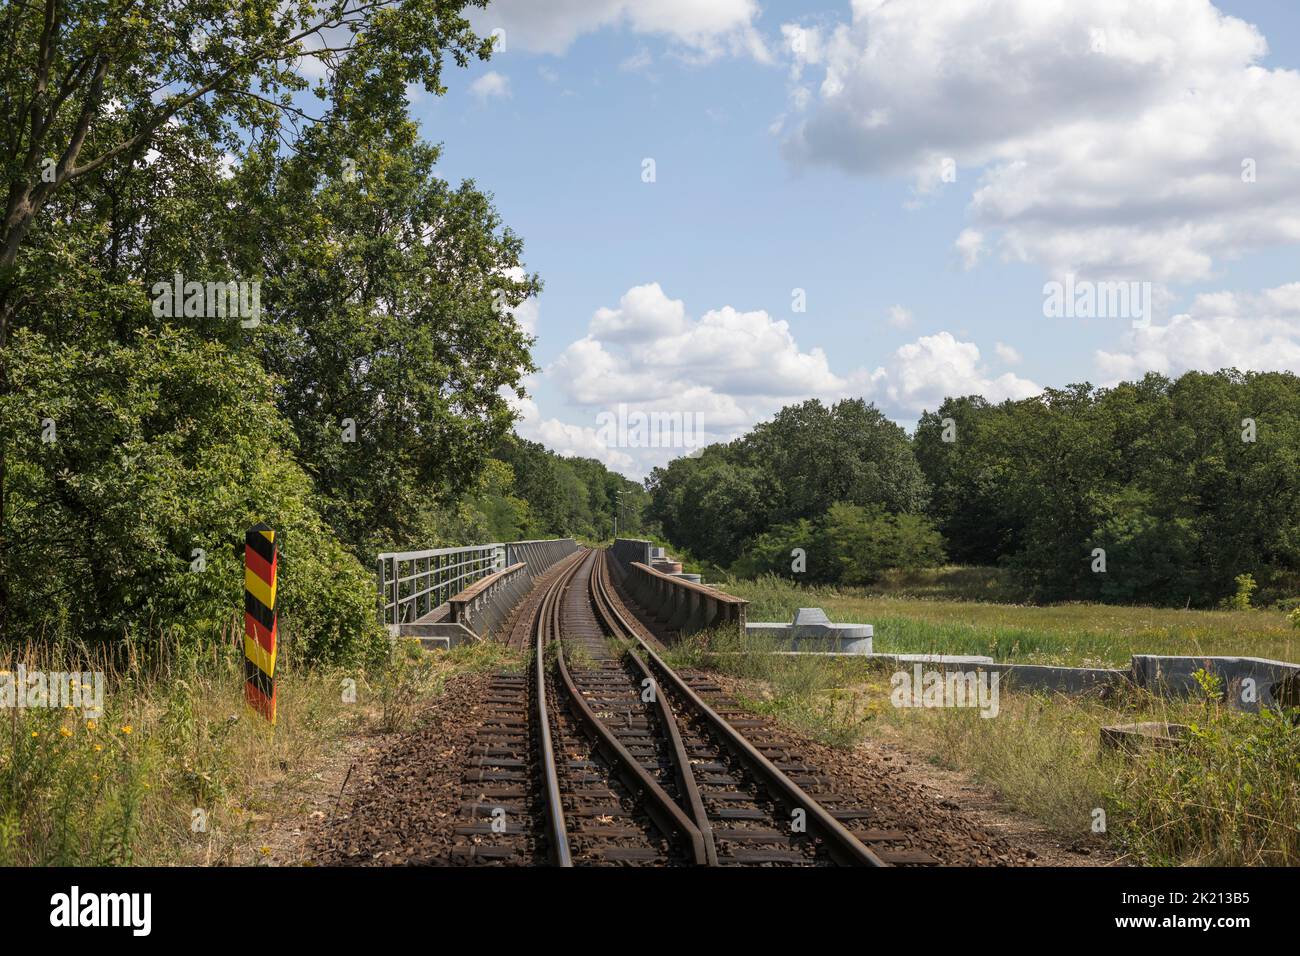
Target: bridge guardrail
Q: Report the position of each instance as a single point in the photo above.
(412, 583)
(539, 555)
(485, 604)
(680, 604)
(628, 551)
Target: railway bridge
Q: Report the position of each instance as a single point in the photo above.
(601, 751)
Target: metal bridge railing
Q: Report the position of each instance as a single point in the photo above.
(413, 583)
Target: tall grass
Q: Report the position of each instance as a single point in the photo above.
(176, 770)
(1075, 634)
(1231, 796)
(814, 695)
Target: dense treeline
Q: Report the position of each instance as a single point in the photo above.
(1155, 491)
(1184, 484)
(351, 394)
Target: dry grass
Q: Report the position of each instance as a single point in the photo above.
(1231, 797)
(177, 770)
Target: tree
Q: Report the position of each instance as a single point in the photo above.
(133, 492)
(90, 85)
(145, 139)
(861, 544)
(388, 307)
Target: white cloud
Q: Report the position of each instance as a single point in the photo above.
(643, 312)
(1104, 139)
(921, 374)
(702, 28)
(491, 85)
(526, 313)
(564, 439)
(637, 62)
(732, 369)
(899, 317)
(1006, 353)
(970, 246)
(1259, 331)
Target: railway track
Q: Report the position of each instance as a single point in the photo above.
(602, 754)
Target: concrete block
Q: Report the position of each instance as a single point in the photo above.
(1151, 733)
(963, 661)
(811, 630)
(1249, 683)
(1064, 680)
(442, 636)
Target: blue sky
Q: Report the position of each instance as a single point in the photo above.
(797, 146)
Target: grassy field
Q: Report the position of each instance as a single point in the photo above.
(1074, 634)
(176, 770)
(1230, 797)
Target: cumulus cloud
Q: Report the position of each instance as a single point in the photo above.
(565, 439)
(702, 28)
(1006, 353)
(643, 312)
(921, 374)
(729, 369)
(491, 85)
(1104, 139)
(526, 313)
(1256, 331)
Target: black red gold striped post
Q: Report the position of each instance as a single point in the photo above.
(259, 620)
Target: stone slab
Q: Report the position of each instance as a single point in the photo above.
(1151, 733)
(1249, 683)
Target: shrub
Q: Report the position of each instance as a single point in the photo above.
(132, 477)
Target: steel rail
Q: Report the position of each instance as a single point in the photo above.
(681, 759)
(559, 835)
(662, 808)
(843, 846)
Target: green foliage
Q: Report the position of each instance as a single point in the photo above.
(1240, 600)
(412, 350)
(386, 297)
(848, 545)
(1226, 798)
(864, 544)
(571, 496)
(131, 519)
(1159, 473)
(746, 500)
